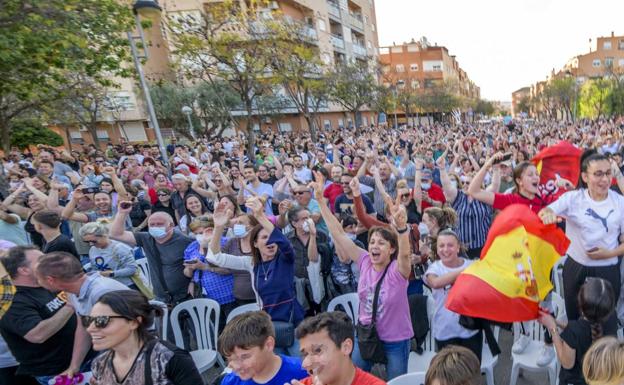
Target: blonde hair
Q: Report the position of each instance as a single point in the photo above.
(445, 217)
(603, 363)
(94, 228)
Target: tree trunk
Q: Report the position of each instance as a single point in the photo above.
(93, 132)
(311, 127)
(68, 136)
(5, 132)
(251, 136)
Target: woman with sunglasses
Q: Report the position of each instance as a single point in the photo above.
(119, 325)
(111, 258)
(164, 203)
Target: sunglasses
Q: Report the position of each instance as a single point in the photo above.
(405, 195)
(163, 194)
(101, 321)
(300, 192)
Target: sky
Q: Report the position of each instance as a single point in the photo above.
(503, 45)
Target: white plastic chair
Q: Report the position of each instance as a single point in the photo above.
(242, 309)
(204, 316)
(161, 324)
(409, 379)
(349, 303)
(145, 271)
(527, 360)
(420, 363)
(488, 361)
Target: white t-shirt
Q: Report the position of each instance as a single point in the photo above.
(446, 322)
(304, 175)
(591, 224)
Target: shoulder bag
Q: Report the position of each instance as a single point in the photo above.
(371, 347)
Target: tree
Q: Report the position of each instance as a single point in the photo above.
(215, 102)
(26, 132)
(594, 98)
(228, 42)
(524, 104)
(484, 108)
(353, 86)
(383, 100)
(297, 68)
(168, 99)
(83, 103)
(42, 40)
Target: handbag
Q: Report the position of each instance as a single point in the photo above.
(371, 347)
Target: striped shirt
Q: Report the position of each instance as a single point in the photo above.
(474, 220)
(389, 185)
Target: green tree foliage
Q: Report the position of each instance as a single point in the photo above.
(594, 98)
(353, 86)
(42, 40)
(25, 132)
(484, 108)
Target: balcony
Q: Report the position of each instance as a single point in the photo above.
(359, 50)
(309, 32)
(334, 10)
(338, 42)
(356, 21)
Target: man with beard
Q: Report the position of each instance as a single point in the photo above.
(335, 189)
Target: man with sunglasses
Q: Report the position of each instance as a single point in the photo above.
(39, 326)
(60, 271)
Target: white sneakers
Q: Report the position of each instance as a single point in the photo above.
(547, 354)
(520, 344)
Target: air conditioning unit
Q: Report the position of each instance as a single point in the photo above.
(83, 128)
(273, 5)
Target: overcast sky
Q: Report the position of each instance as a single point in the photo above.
(502, 44)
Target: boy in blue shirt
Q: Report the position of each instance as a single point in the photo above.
(247, 343)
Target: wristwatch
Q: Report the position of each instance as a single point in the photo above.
(403, 231)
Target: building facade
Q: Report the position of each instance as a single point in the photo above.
(517, 97)
(421, 66)
(343, 30)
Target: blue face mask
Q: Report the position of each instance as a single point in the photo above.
(239, 230)
(425, 186)
(158, 232)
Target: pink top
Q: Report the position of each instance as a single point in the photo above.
(393, 316)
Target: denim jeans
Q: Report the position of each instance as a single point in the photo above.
(397, 354)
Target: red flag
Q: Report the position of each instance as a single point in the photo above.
(559, 161)
(513, 274)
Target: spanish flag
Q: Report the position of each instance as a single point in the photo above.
(559, 161)
(513, 274)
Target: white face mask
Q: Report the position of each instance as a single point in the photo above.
(305, 227)
(454, 184)
(352, 236)
(158, 232)
(239, 230)
(423, 229)
(199, 238)
(425, 186)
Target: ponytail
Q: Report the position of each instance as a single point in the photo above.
(596, 301)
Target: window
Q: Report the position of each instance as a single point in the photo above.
(596, 63)
(341, 123)
(415, 84)
(621, 45)
(414, 67)
(606, 45)
(429, 83)
(609, 62)
(285, 127)
(432, 65)
(102, 134)
(75, 135)
(400, 84)
(321, 25)
(400, 68)
(365, 19)
(621, 62)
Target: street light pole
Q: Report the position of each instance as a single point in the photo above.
(186, 110)
(138, 6)
(394, 99)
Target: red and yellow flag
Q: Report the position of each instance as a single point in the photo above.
(559, 161)
(513, 274)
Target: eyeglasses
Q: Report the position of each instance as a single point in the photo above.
(600, 174)
(101, 321)
(405, 195)
(299, 192)
(163, 194)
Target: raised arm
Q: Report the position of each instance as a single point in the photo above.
(69, 211)
(117, 183)
(118, 227)
(345, 247)
(450, 191)
(399, 222)
(222, 217)
(20, 210)
(475, 190)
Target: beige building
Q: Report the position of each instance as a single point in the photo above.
(345, 30)
(516, 97)
(603, 59)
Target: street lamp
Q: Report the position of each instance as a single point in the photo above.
(186, 110)
(394, 103)
(147, 8)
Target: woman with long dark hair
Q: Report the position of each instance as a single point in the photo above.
(119, 325)
(596, 301)
(594, 217)
(271, 264)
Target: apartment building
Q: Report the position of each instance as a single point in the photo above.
(516, 97)
(421, 66)
(603, 59)
(344, 30)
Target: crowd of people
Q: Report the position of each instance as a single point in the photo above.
(389, 214)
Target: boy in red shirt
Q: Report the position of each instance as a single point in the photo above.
(326, 342)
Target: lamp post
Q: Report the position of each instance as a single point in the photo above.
(394, 103)
(186, 110)
(146, 7)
